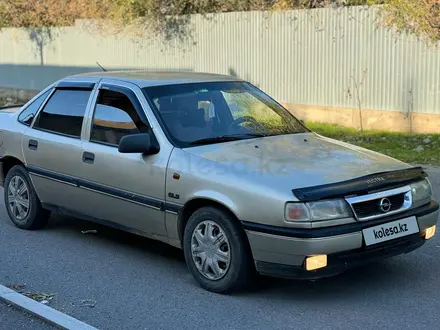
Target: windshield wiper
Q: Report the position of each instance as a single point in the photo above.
(226, 138)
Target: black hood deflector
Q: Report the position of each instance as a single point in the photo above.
(361, 186)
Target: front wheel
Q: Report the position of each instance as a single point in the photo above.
(216, 251)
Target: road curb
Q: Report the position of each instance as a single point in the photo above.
(42, 311)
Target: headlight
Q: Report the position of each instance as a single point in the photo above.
(421, 190)
(315, 211)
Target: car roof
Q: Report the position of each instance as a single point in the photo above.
(144, 78)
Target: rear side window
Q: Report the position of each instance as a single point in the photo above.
(64, 112)
(27, 115)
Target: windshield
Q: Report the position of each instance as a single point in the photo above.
(204, 113)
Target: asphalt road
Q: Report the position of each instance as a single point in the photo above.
(114, 280)
(11, 318)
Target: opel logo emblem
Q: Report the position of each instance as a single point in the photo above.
(385, 205)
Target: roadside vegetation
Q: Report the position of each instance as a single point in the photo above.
(7, 101)
(407, 147)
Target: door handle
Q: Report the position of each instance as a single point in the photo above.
(33, 144)
(88, 157)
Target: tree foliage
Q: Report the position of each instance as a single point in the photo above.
(47, 13)
(421, 17)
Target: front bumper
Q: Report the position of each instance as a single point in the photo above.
(281, 252)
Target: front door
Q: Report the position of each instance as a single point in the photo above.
(126, 189)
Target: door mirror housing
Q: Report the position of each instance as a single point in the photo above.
(143, 143)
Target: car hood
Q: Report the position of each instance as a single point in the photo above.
(295, 161)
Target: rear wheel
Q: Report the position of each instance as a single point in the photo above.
(216, 251)
(22, 203)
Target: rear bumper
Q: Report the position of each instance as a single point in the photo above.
(284, 255)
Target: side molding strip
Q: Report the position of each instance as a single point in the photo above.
(103, 189)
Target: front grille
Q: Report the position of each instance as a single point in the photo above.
(372, 208)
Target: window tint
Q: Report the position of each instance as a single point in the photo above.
(114, 117)
(28, 114)
(64, 112)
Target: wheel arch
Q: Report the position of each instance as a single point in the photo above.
(6, 163)
(198, 202)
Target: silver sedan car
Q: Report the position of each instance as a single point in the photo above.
(214, 166)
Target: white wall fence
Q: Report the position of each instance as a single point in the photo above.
(325, 57)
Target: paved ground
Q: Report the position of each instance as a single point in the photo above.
(114, 280)
(11, 318)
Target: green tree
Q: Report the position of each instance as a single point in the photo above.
(47, 13)
(419, 17)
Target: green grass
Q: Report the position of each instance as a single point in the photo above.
(397, 145)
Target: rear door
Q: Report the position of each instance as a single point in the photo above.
(52, 145)
(127, 189)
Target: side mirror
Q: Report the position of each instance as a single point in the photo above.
(142, 143)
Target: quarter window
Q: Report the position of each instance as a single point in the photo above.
(115, 117)
(27, 115)
(64, 112)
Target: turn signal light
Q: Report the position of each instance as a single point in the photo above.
(430, 232)
(316, 262)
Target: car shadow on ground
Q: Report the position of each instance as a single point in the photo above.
(352, 282)
(114, 236)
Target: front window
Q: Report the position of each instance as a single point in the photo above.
(204, 113)
(115, 117)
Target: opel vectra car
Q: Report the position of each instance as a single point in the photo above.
(214, 166)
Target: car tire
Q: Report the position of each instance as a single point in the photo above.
(219, 265)
(30, 218)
